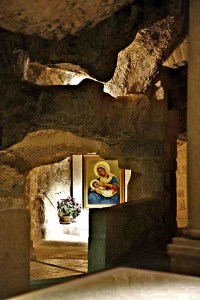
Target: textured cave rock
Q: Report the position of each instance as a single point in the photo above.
(139, 63)
(95, 49)
(58, 18)
(92, 48)
(179, 56)
(11, 182)
(84, 110)
(68, 74)
(49, 146)
(58, 74)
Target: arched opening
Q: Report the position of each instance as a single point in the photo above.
(48, 184)
(53, 167)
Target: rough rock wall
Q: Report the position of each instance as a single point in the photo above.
(55, 182)
(84, 110)
(11, 187)
(181, 174)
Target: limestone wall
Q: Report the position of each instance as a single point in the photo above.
(55, 182)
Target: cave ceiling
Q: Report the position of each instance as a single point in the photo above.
(54, 20)
(117, 47)
(94, 33)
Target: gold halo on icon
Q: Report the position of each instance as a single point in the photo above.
(102, 164)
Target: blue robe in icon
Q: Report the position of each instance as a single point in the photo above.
(95, 198)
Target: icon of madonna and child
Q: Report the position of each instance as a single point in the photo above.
(104, 187)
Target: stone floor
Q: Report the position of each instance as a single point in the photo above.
(58, 262)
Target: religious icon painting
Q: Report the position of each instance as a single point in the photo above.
(103, 182)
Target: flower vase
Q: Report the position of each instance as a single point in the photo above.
(66, 219)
